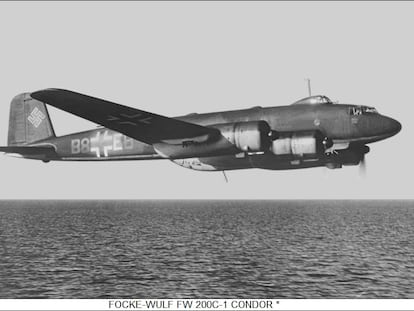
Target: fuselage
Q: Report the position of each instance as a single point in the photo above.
(345, 125)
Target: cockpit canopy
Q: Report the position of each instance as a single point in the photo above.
(360, 110)
(314, 100)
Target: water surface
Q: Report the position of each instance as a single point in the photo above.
(206, 249)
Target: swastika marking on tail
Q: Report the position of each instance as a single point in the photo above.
(36, 117)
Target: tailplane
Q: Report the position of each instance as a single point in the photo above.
(44, 152)
(29, 121)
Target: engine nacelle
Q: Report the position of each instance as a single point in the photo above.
(300, 144)
(250, 136)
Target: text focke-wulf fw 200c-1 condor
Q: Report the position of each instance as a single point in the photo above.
(311, 132)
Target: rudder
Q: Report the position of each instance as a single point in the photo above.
(29, 121)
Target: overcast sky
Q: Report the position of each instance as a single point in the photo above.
(176, 58)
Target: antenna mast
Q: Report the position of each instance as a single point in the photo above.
(309, 87)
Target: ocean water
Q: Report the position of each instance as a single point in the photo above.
(206, 249)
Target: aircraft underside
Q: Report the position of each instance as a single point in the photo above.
(269, 161)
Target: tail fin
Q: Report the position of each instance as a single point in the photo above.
(29, 121)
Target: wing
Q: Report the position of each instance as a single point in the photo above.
(138, 124)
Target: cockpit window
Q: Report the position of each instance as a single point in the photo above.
(369, 109)
(359, 110)
(313, 100)
(355, 111)
(324, 100)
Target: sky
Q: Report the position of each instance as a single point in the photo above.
(174, 58)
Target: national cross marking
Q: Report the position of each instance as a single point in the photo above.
(130, 119)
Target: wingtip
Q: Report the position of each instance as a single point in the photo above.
(40, 93)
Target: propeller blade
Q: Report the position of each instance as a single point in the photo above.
(363, 166)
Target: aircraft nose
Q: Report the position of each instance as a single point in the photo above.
(377, 127)
(386, 127)
(391, 126)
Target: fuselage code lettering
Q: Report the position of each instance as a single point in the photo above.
(101, 144)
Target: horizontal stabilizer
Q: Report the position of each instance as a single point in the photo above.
(141, 125)
(47, 151)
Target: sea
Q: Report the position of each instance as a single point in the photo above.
(206, 249)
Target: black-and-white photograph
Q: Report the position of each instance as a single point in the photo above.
(206, 150)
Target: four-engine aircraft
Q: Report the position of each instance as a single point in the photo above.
(311, 132)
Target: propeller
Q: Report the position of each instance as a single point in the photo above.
(363, 163)
(363, 166)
